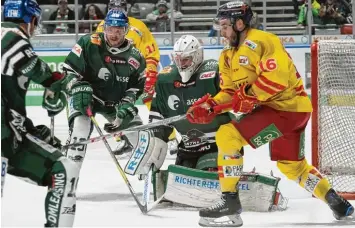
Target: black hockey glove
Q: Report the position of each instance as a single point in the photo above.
(20, 125)
(44, 133)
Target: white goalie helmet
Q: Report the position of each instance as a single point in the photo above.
(187, 56)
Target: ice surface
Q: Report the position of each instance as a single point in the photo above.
(104, 200)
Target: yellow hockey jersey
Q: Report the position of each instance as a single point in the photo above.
(263, 62)
(142, 39)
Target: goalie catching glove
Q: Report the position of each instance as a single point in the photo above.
(148, 150)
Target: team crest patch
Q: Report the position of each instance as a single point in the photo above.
(134, 63)
(208, 75)
(77, 50)
(250, 44)
(243, 60)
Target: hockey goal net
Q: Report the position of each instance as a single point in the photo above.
(333, 118)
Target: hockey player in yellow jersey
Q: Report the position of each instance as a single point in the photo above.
(259, 79)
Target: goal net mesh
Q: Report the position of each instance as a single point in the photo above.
(336, 113)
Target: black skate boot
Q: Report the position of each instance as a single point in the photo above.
(225, 213)
(341, 208)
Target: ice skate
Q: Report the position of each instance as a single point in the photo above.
(225, 213)
(342, 209)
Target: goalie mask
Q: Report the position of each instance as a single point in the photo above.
(187, 56)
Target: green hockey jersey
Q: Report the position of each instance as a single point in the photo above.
(173, 97)
(19, 65)
(114, 73)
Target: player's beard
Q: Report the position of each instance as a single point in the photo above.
(115, 40)
(233, 40)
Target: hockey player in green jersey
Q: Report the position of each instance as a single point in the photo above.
(179, 85)
(109, 64)
(29, 151)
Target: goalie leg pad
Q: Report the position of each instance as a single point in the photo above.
(148, 150)
(207, 162)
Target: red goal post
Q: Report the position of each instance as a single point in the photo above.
(333, 117)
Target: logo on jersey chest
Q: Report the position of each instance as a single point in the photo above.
(114, 60)
(208, 75)
(179, 84)
(243, 60)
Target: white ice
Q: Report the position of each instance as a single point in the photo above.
(104, 200)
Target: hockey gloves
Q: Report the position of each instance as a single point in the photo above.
(125, 113)
(54, 103)
(151, 78)
(44, 133)
(242, 102)
(22, 125)
(201, 112)
(81, 96)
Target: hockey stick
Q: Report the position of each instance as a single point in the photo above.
(146, 191)
(52, 128)
(128, 130)
(142, 207)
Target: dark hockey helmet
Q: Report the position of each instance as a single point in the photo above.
(117, 4)
(234, 11)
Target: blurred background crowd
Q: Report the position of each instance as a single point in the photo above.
(283, 17)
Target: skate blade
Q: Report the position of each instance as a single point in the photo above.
(350, 218)
(225, 221)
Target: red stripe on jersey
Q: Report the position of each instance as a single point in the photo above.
(228, 91)
(271, 83)
(265, 88)
(152, 61)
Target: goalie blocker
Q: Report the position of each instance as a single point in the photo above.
(196, 187)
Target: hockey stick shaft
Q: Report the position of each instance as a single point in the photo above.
(52, 128)
(143, 208)
(128, 130)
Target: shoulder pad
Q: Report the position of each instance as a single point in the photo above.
(95, 39)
